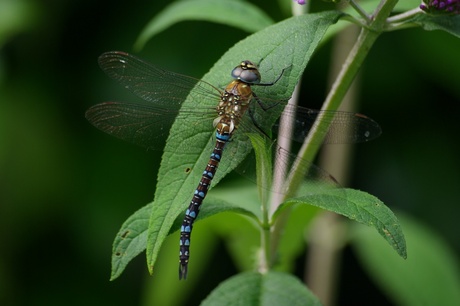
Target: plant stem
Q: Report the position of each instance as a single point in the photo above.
(359, 9)
(400, 21)
(404, 16)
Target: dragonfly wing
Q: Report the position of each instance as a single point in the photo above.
(344, 127)
(134, 123)
(315, 180)
(153, 84)
(144, 125)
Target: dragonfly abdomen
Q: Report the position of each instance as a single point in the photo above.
(222, 137)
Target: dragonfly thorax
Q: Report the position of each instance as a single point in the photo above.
(233, 104)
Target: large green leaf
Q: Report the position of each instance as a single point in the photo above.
(289, 44)
(239, 14)
(252, 288)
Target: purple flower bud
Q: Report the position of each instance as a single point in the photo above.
(301, 2)
(447, 7)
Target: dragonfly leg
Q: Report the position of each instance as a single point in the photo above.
(262, 105)
(254, 121)
(275, 81)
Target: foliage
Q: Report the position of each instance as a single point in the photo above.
(290, 43)
(65, 187)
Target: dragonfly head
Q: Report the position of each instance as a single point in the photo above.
(246, 72)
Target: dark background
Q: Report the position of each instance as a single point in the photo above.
(65, 187)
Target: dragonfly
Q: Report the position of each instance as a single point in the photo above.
(235, 108)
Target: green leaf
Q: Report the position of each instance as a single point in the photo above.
(449, 23)
(287, 44)
(361, 207)
(429, 276)
(130, 240)
(239, 14)
(251, 288)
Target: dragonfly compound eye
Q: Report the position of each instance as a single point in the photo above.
(246, 73)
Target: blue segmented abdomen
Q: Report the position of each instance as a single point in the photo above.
(194, 208)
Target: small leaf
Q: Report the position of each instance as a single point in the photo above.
(239, 14)
(361, 207)
(130, 240)
(287, 44)
(252, 288)
(447, 23)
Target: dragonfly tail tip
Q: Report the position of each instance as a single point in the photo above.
(182, 271)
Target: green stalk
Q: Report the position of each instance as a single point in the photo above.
(264, 179)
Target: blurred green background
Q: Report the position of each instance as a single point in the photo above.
(65, 187)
